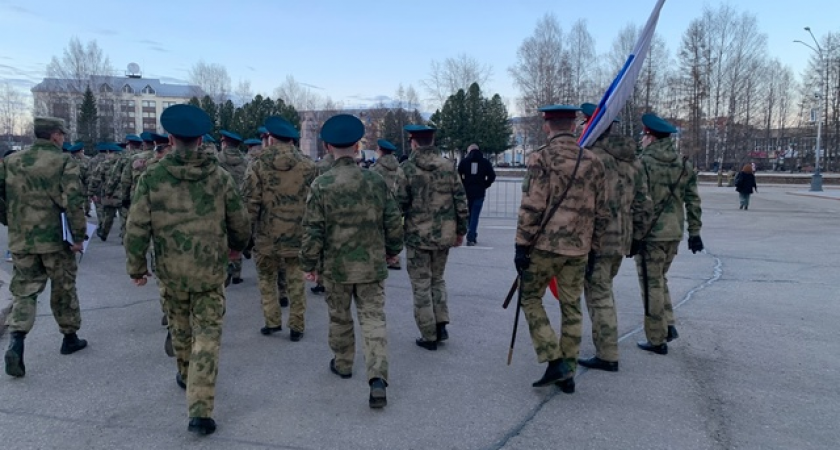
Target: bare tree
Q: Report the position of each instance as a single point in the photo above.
(13, 110)
(446, 77)
(212, 78)
(79, 63)
(582, 60)
(298, 95)
(243, 93)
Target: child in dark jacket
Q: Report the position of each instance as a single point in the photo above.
(745, 185)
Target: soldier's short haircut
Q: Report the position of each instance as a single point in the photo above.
(43, 134)
(424, 139)
(189, 142)
(282, 139)
(560, 124)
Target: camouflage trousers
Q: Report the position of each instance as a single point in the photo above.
(29, 279)
(106, 220)
(370, 309)
(600, 302)
(268, 276)
(659, 312)
(235, 263)
(425, 269)
(195, 321)
(123, 221)
(569, 271)
(87, 206)
(282, 285)
(100, 212)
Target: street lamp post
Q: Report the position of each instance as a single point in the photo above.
(816, 179)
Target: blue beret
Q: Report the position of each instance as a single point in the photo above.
(231, 135)
(559, 111)
(147, 137)
(133, 138)
(66, 146)
(588, 109)
(342, 130)
(262, 131)
(657, 124)
(108, 147)
(418, 129)
(385, 145)
(207, 138)
(251, 142)
(121, 145)
(100, 147)
(76, 147)
(160, 138)
(186, 121)
(281, 127)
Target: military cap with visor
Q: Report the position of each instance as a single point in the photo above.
(231, 135)
(385, 145)
(342, 130)
(552, 112)
(281, 128)
(50, 125)
(252, 142)
(133, 138)
(160, 139)
(147, 136)
(185, 121)
(588, 110)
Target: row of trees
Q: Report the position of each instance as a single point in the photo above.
(471, 118)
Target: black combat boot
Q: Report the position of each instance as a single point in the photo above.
(442, 334)
(284, 302)
(648, 347)
(14, 355)
(295, 335)
(377, 397)
(202, 425)
(179, 380)
(567, 386)
(167, 345)
(428, 345)
(270, 330)
(72, 344)
(555, 372)
(672, 333)
(335, 371)
(599, 364)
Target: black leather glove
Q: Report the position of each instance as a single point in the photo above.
(636, 247)
(126, 203)
(695, 244)
(522, 260)
(590, 264)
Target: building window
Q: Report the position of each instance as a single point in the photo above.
(147, 114)
(106, 88)
(148, 90)
(150, 124)
(149, 104)
(168, 104)
(128, 89)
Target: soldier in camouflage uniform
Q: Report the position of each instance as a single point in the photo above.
(98, 179)
(193, 212)
(114, 189)
(101, 154)
(84, 167)
(209, 146)
(388, 166)
(630, 210)
(435, 208)
(574, 230)
(231, 159)
(36, 186)
(353, 222)
(672, 184)
(275, 190)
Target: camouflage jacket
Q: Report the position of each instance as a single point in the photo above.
(354, 222)
(435, 204)
(231, 159)
(275, 189)
(662, 166)
(91, 171)
(627, 199)
(35, 187)
(131, 173)
(193, 213)
(325, 163)
(390, 169)
(579, 223)
(99, 175)
(112, 186)
(84, 166)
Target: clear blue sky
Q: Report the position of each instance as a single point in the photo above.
(352, 51)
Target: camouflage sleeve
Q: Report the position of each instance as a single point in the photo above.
(461, 209)
(4, 219)
(535, 193)
(94, 180)
(112, 179)
(400, 190)
(236, 217)
(602, 209)
(642, 207)
(393, 225)
(72, 199)
(692, 203)
(314, 231)
(138, 230)
(124, 187)
(252, 195)
(405, 201)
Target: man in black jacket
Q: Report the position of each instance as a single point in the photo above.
(477, 174)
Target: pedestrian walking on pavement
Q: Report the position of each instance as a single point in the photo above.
(745, 185)
(477, 174)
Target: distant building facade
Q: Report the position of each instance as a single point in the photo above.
(125, 105)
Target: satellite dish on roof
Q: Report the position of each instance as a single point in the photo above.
(133, 70)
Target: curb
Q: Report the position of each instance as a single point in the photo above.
(803, 194)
